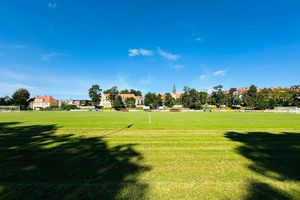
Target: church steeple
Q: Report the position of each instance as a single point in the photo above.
(174, 89)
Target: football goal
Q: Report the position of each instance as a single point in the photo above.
(9, 108)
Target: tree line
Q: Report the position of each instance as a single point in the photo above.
(252, 98)
(19, 98)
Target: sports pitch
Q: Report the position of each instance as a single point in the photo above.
(114, 155)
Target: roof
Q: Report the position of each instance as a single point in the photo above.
(176, 95)
(47, 99)
(126, 96)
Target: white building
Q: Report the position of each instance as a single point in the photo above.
(42, 102)
(106, 103)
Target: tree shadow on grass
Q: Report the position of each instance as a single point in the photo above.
(275, 156)
(35, 163)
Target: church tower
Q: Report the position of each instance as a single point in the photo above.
(174, 89)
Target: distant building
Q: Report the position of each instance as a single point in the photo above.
(139, 100)
(42, 102)
(79, 103)
(174, 94)
(106, 102)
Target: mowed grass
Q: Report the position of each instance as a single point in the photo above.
(68, 155)
(167, 120)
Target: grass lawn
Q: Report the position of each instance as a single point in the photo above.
(94, 155)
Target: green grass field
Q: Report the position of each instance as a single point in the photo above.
(113, 155)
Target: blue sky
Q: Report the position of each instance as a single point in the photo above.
(62, 47)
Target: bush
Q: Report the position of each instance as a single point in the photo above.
(68, 107)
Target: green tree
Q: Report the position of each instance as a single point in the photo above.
(203, 97)
(131, 91)
(264, 99)
(218, 96)
(232, 98)
(6, 101)
(185, 99)
(130, 102)
(295, 95)
(250, 96)
(193, 99)
(169, 100)
(135, 92)
(20, 98)
(118, 103)
(95, 95)
(113, 93)
(126, 91)
(152, 100)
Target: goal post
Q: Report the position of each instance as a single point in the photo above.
(9, 108)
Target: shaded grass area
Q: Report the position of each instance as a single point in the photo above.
(274, 156)
(35, 163)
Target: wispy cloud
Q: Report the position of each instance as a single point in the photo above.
(19, 46)
(168, 55)
(145, 80)
(177, 66)
(48, 56)
(220, 73)
(121, 81)
(202, 76)
(52, 5)
(199, 39)
(12, 75)
(141, 51)
(9, 88)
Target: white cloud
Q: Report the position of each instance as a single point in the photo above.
(199, 39)
(168, 55)
(220, 73)
(141, 51)
(202, 77)
(52, 5)
(48, 56)
(177, 66)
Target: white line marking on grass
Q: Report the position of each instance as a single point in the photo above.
(150, 121)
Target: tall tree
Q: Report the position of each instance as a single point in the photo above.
(193, 99)
(250, 96)
(264, 99)
(126, 91)
(152, 100)
(95, 95)
(131, 91)
(118, 103)
(169, 100)
(135, 92)
(113, 93)
(130, 102)
(20, 98)
(233, 98)
(218, 96)
(295, 95)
